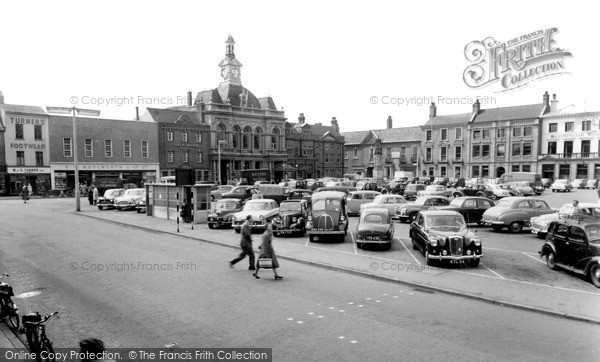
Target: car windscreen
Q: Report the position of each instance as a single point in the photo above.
(135, 192)
(420, 201)
(445, 222)
(256, 206)
(112, 193)
(327, 205)
(373, 219)
(290, 206)
(503, 203)
(226, 205)
(456, 202)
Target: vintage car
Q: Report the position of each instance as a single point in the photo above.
(292, 217)
(411, 190)
(408, 212)
(316, 185)
(375, 227)
(300, 194)
(129, 199)
(443, 235)
(470, 207)
(262, 211)
(579, 183)
(546, 182)
(523, 188)
(107, 201)
(435, 190)
(222, 214)
(563, 185)
(539, 224)
(591, 184)
(218, 193)
(357, 198)
(344, 189)
(500, 192)
(140, 206)
(328, 216)
(574, 245)
(388, 201)
(243, 193)
(481, 190)
(515, 213)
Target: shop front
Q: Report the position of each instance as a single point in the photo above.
(37, 177)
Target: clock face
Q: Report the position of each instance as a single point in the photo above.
(224, 73)
(235, 73)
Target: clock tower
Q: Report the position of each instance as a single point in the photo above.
(230, 67)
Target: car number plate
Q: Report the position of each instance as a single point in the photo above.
(372, 238)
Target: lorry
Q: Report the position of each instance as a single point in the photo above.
(403, 175)
(249, 177)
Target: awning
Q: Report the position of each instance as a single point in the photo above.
(284, 167)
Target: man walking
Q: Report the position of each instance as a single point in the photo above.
(246, 244)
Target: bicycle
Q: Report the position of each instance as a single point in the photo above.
(8, 309)
(34, 327)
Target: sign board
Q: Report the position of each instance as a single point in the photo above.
(184, 177)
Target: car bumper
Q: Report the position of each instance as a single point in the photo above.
(492, 222)
(325, 232)
(376, 242)
(535, 229)
(455, 257)
(401, 217)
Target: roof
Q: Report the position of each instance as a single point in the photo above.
(389, 135)
(14, 108)
(173, 116)
(328, 194)
(446, 120)
(234, 94)
(319, 130)
(510, 113)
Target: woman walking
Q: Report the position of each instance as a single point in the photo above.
(267, 251)
(25, 194)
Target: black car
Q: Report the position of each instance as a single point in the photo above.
(443, 235)
(243, 193)
(408, 212)
(471, 208)
(292, 218)
(574, 245)
(411, 190)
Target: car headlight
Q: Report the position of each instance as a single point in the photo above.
(294, 219)
(309, 217)
(433, 241)
(476, 241)
(233, 218)
(262, 217)
(277, 219)
(342, 218)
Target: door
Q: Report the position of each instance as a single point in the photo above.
(561, 243)
(482, 206)
(577, 247)
(469, 210)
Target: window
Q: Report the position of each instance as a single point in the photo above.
(586, 125)
(526, 168)
(501, 133)
(568, 147)
(169, 135)
(186, 156)
(443, 171)
(516, 149)
(355, 152)
(485, 171)
(517, 132)
(501, 150)
(37, 131)
(553, 127)
(184, 137)
(476, 151)
(476, 134)
(127, 149)
(444, 134)
(199, 157)
(458, 133)
(569, 126)
(108, 148)
(39, 158)
(198, 136)
(428, 135)
(457, 171)
(486, 133)
(144, 149)
(428, 154)
(170, 156)
(67, 148)
(515, 168)
(19, 131)
(443, 153)
(485, 150)
(475, 171)
(585, 148)
(526, 149)
(527, 131)
(458, 153)
(88, 147)
(345, 154)
(552, 147)
(20, 158)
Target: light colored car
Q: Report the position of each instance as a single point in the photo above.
(388, 201)
(262, 211)
(435, 190)
(563, 185)
(579, 183)
(523, 188)
(539, 224)
(129, 199)
(357, 198)
(408, 212)
(375, 227)
(107, 201)
(218, 193)
(514, 213)
(500, 191)
(591, 184)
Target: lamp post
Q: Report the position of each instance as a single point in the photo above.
(219, 152)
(75, 111)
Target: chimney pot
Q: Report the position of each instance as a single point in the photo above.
(554, 103)
(137, 113)
(546, 99)
(301, 118)
(389, 122)
(189, 98)
(476, 107)
(432, 110)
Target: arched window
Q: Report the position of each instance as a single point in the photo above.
(237, 137)
(258, 138)
(222, 133)
(246, 138)
(275, 139)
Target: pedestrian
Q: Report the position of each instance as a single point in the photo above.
(95, 193)
(257, 195)
(25, 194)
(92, 349)
(90, 194)
(246, 244)
(29, 190)
(267, 251)
(576, 209)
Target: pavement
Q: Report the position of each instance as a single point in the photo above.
(9, 341)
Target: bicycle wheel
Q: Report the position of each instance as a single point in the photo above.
(8, 308)
(47, 350)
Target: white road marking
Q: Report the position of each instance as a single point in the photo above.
(350, 303)
(299, 322)
(378, 301)
(368, 298)
(320, 316)
(411, 254)
(534, 258)
(341, 337)
(290, 319)
(505, 250)
(385, 295)
(395, 296)
(360, 306)
(493, 272)
(311, 313)
(341, 311)
(331, 307)
(353, 243)
(353, 341)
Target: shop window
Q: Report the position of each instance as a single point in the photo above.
(144, 149)
(39, 158)
(20, 158)
(67, 148)
(88, 147)
(108, 148)
(37, 131)
(127, 149)
(19, 131)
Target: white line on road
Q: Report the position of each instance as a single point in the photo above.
(353, 242)
(493, 272)
(534, 258)
(411, 254)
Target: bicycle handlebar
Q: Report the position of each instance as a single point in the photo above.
(4, 275)
(44, 320)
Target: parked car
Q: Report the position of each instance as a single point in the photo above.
(328, 216)
(481, 190)
(344, 189)
(218, 193)
(539, 224)
(515, 213)
(262, 211)
(512, 190)
(574, 245)
(243, 192)
(222, 214)
(563, 185)
(389, 202)
(140, 207)
(435, 190)
(408, 212)
(107, 201)
(411, 190)
(546, 182)
(375, 227)
(299, 194)
(470, 207)
(579, 183)
(443, 235)
(273, 192)
(129, 199)
(357, 198)
(500, 192)
(591, 184)
(292, 218)
(523, 188)
(316, 185)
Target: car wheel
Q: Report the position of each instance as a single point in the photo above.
(475, 263)
(414, 245)
(456, 194)
(238, 231)
(515, 227)
(311, 238)
(595, 275)
(100, 207)
(480, 194)
(139, 211)
(388, 246)
(541, 235)
(359, 245)
(550, 260)
(119, 209)
(211, 226)
(275, 233)
(497, 227)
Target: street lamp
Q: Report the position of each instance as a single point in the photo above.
(75, 111)
(219, 152)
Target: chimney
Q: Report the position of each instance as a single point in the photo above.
(432, 110)
(546, 100)
(554, 103)
(301, 118)
(189, 98)
(476, 107)
(137, 113)
(389, 122)
(334, 124)
(1, 98)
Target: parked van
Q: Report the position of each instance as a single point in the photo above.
(357, 198)
(534, 180)
(328, 216)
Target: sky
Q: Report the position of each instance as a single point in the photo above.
(354, 60)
